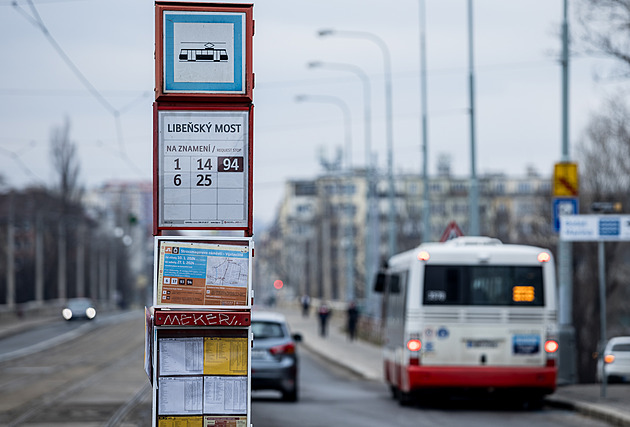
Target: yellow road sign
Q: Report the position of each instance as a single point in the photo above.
(565, 179)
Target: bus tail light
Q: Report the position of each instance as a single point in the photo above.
(551, 346)
(414, 345)
(551, 350)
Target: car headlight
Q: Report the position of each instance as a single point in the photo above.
(90, 313)
(66, 313)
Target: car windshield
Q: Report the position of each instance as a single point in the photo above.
(79, 304)
(267, 330)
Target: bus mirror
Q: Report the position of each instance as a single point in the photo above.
(379, 285)
(394, 284)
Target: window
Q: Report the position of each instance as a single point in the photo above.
(621, 347)
(267, 330)
(483, 285)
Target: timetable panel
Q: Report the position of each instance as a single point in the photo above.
(202, 168)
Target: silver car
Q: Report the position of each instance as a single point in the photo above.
(79, 308)
(274, 355)
(616, 360)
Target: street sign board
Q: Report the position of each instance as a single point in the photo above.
(580, 228)
(204, 50)
(565, 180)
(202, 168)
(452, 231)
(563, 206)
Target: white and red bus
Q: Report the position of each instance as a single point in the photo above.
(470, 314)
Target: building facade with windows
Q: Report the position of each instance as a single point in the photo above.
(331, 233)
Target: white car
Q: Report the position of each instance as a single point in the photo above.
(616, 360)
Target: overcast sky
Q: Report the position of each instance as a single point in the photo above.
(517, 75)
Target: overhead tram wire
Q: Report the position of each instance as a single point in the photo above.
(37, 21)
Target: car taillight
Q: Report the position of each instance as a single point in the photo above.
(283, 349)
(609, 358)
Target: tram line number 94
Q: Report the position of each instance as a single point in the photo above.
(231, 164)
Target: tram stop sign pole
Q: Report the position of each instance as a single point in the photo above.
(198, 336)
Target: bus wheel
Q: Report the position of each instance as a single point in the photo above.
(404, 398)
(393, 391)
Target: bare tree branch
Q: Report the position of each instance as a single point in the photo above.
(66, 164)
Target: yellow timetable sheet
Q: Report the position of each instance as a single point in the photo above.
(225, 356)
(180, 422)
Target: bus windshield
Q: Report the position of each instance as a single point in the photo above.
(483, 285)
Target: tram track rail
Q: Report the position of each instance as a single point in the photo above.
(96, 379)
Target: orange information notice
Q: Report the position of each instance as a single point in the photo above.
(200, 273)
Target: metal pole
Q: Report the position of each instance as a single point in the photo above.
(39, 259)
(566, 368)
(389, 125)
(474, 189)
(602, 310)
(367, 99)
(426, 207)
(346, 212)
(62, 289)
(565, 84)
(371, 259)
(347, 119)
(10, 270)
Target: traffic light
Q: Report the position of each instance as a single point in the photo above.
(278, 284)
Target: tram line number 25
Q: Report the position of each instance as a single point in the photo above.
(225, 164)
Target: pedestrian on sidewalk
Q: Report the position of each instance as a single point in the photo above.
(353, 319)
(306, 304)
(324, 313)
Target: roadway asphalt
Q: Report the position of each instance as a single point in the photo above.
(364, 359)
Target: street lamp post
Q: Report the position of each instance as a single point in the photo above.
(348, 240)
(473, 229)
(426, 207)
(367, 100)
(388, 118)
(371, 252)
(347, 119)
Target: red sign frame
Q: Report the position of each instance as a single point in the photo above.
(157, 107)
(246, 9)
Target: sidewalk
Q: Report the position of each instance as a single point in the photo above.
(365, 360)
